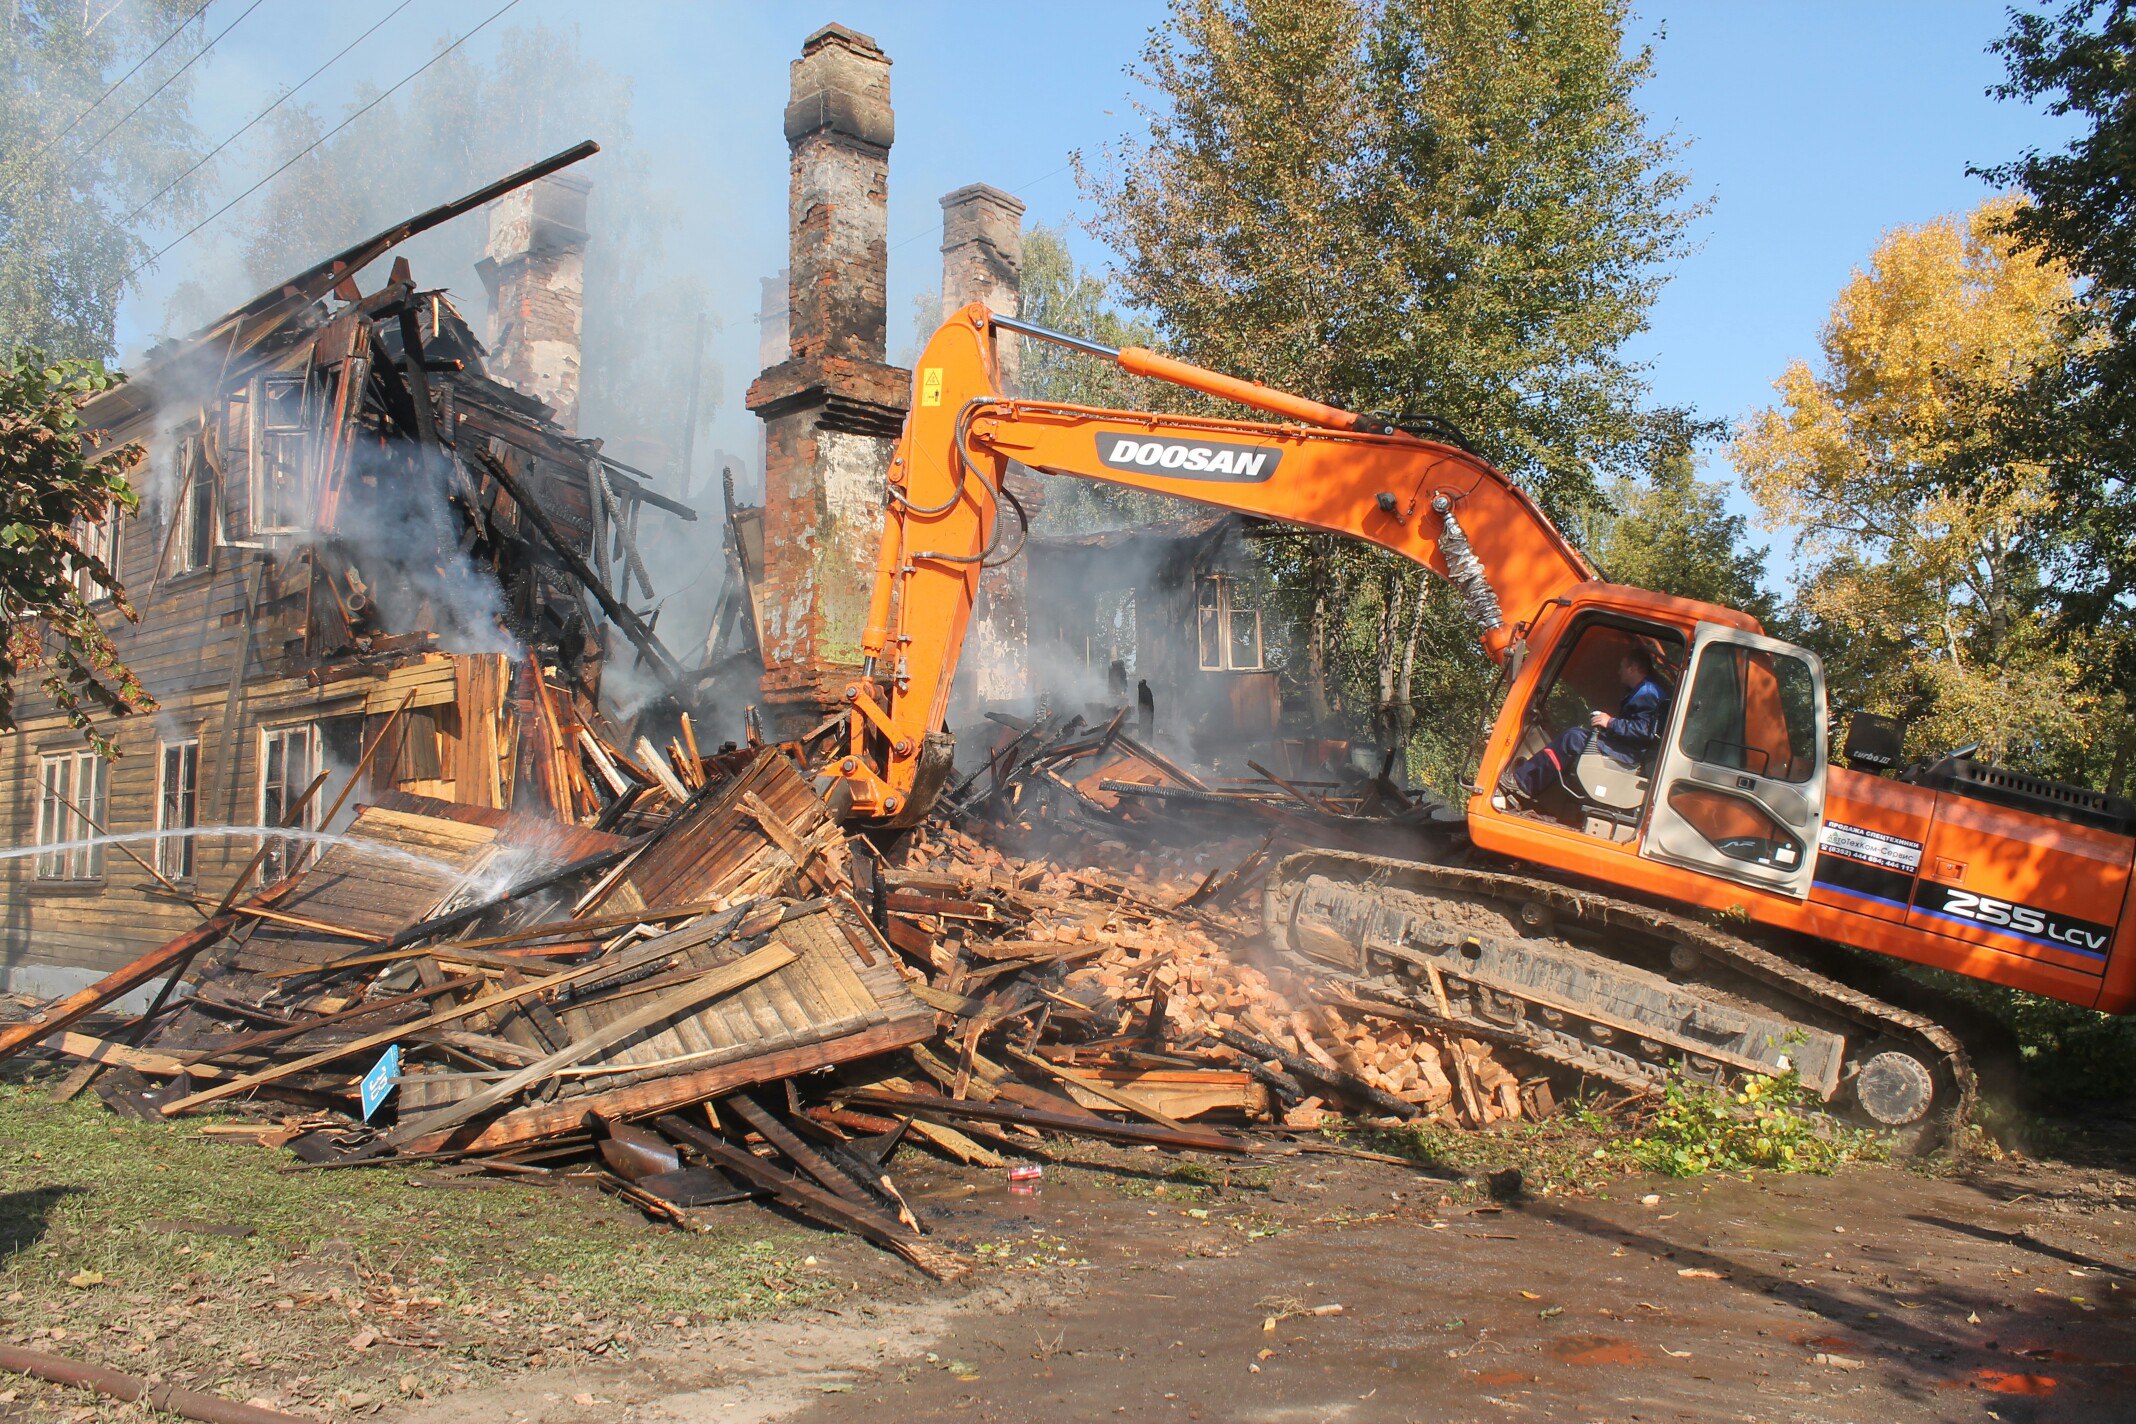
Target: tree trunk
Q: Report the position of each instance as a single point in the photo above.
(1320, 570)
(1393, 597)
(1405, 680)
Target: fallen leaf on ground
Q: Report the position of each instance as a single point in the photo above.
(1700, 1273)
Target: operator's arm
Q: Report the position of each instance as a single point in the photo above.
(1638, 722)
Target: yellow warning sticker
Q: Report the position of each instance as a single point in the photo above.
(931, 386)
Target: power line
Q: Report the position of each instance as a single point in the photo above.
(352, 118)
(287, 95)
(160, 44)
(168, 81)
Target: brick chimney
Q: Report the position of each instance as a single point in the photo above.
(535, 270)
(982, 261)
(831, 409)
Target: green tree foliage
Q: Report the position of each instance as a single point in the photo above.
(1674, 533)
(2080, 418)
(53, 482)
(1449, 207)
(72, 175)
(1450, 210)
(462, 123)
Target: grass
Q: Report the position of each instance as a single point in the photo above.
(1564, 1154)
(1766, 1124)
(354, 1286)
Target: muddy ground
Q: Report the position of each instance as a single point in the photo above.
(2005, 1291)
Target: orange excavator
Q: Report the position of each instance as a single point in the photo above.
(1634, 921)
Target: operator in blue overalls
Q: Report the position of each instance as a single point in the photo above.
(1625, 736)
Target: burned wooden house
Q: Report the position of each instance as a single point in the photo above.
(348, 520)
(1174, 606)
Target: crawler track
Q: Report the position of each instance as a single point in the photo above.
(1608, 987)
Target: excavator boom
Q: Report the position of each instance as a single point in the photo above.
(1320, 467)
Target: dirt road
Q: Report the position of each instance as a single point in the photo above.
(1879, 1294)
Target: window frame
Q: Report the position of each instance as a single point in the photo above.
(58, 822)
(99, 537)
(284, 857)
(175, 855)
(194, 526)
(266, 433)
(1226, 613)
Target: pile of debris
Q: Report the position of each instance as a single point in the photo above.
(1102, 778)
(730, 998)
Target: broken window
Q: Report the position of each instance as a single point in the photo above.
(70, 808)
(1229, 621)
(98, 538)
(279, 441)
(192, 532)
(177, 806)
(289, 759)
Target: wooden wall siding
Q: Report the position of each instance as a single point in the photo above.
(826, 1007)
(825, 993)
(258, 637)
(552, 843)
(103, 924)
(715, 846)
(359, 890)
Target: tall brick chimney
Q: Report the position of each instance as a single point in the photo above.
(982, 261)
(535, 270)
(832, 409)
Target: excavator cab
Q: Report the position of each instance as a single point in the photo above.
(1734, 785)
(1596, 790)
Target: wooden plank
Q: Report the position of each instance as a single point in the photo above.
(631, 959)
(356, 1011)
(810, 1200)
(725, 980)
(104, 1051)
(540, 1120)
(1095, 1087)
(1192, 1139)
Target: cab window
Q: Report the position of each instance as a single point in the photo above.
(1588, 680)
(1753, 711)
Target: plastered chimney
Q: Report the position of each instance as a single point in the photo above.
(831, 408)
(982, 261)
(535, 269)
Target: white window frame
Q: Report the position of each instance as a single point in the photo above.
(270, 436)
(58, 822)
(177, 807)
(277, 788)
(1228, 590)
(99, 537)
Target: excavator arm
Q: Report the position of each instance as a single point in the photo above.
(1319, 468)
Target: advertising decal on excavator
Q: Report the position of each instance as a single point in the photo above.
(1191, 458)
(2024, 922)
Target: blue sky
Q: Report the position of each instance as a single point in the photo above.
(1813, 127)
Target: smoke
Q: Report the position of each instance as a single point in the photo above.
(650, 351)
(401, 538)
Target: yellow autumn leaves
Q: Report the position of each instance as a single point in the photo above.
(1919, 533)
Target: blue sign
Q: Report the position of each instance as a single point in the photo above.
(377, 1084)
